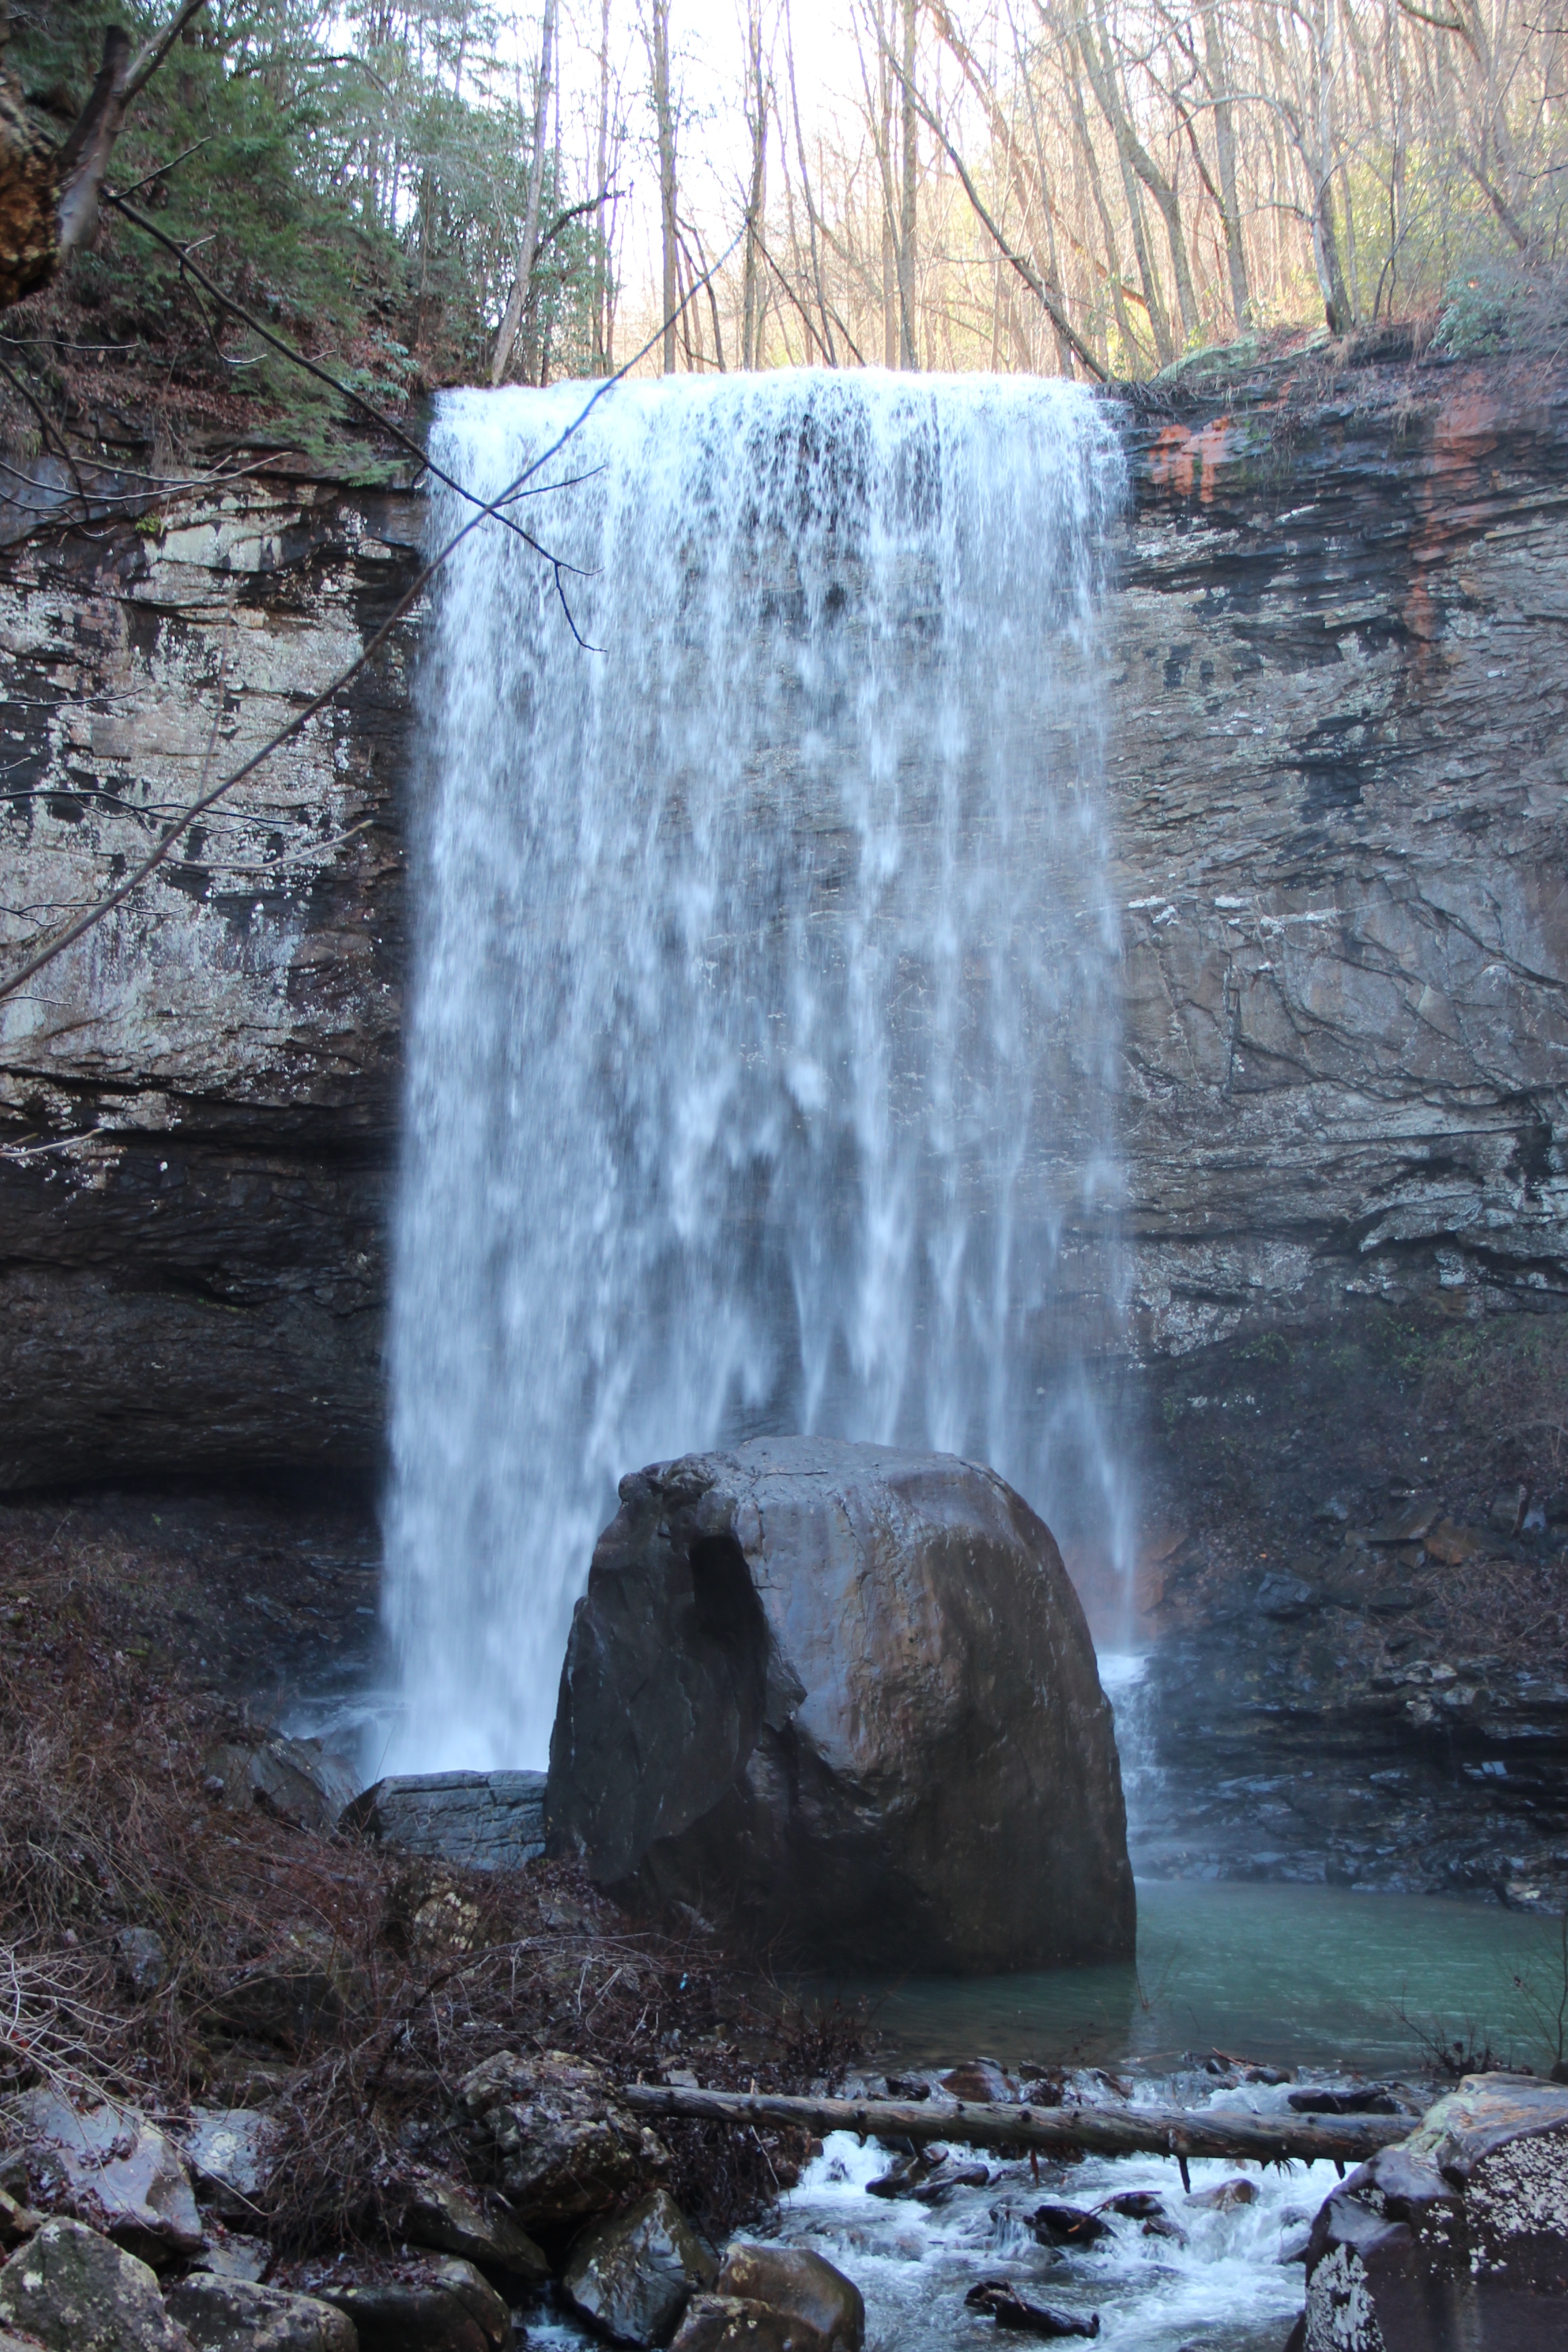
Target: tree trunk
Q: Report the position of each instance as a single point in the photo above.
(1218, 66)
(664, 119)
(506, 339)
(909, 353)
(1100, 60)
(756, 194)
(1182, 2132)
(600, 362)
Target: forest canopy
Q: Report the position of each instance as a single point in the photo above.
(424, 192)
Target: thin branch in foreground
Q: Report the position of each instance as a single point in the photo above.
(378, 416)
(318, 702)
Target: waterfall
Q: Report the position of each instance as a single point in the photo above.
(763, 1046)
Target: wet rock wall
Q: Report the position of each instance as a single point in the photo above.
(1337, 762)
(197, 1103)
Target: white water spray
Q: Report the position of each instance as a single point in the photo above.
(761, 1054)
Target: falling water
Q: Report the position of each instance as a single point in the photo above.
(762, 1047)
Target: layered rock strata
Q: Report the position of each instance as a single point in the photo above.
(1339, 757)
(197, 1103)
(1336, 746)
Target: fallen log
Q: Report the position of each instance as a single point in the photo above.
(1237, 2134)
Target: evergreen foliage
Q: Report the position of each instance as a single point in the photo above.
(357, 179)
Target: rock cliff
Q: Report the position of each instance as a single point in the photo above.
(198, 1102)
(1336, 761)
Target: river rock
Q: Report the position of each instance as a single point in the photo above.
(432, 2210)
(728, 2323)
(849, 1694)
(1001, 2301)
(550, 2133)
(1069, 2225)
(228, 2315)
(451, 2307)
(633, 2277)
(115, 2170)
(74, 2291)
(297, 1779)
(488, 1821)
(226, 2147)
(1457, 2235)
(801, 2285)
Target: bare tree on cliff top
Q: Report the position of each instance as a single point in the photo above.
(49, 194)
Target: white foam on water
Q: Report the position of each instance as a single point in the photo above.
(1226, 2288)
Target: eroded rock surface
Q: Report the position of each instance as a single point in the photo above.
(73, 2291)
(849, 1692)
(197, 1282)
(1458, 2235)
(550, 2133)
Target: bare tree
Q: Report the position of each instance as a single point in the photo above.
(665, 125)
(523, 282)
(50, 195)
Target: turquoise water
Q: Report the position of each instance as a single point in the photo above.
(1308, 1978)
(1285, 1976)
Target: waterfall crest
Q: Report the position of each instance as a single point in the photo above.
(762, 1056)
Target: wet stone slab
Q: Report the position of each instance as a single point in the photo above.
(488, 1821)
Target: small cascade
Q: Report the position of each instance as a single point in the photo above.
(763, 1049)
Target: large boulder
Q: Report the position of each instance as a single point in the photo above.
(75, 2292)
(227, 2315)
(551, 2134)
(847, 1695)
(633, 2277)
(1457, 2236)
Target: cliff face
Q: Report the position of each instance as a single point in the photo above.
(1338, 762)
(196, 1283)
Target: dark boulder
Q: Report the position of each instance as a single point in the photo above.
(228, 2315)
(801, 2287)
(1458, 2235)
(441, 2308)
(430, 2210)
(71, 2290)
(848, 1697)
(296, 1780)
(633, 2277)
(1000, 2299)
(551, 2134)
(728, 2323)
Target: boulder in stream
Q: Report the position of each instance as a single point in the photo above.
(1458, 2235)
(847, 1697)
(633, 2277)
